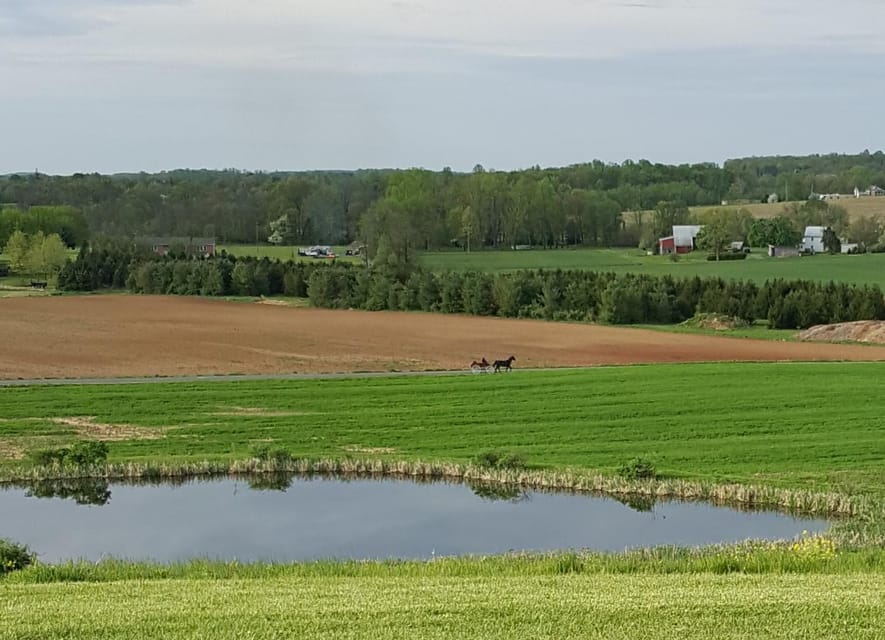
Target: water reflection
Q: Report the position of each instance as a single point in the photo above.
(270, 482)
(637, 502)
(83, 491)
(495, 491)
(283, 518)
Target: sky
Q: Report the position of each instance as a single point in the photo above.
(151, 85)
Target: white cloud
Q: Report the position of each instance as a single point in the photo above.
(360, 36)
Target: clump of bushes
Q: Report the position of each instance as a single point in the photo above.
(268, 454)
(14, 556)
(81, 454)
(637, 469)
(499, 460)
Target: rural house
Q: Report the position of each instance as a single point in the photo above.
(872, 191)
(782, 252)
(813, 240)
(192, 246)
(683, 239)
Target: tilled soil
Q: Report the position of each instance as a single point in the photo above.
(113, 336)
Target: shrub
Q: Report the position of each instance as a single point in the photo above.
(49, 457)
(266, 453)
(88, 454)
(499, 460)
(82, 454)
(637, 469)
(727, 256)
(14, 556)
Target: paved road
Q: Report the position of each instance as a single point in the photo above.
(231, 378)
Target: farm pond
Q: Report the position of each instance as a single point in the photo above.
(286, 519)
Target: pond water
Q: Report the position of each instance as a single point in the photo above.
(293, 519)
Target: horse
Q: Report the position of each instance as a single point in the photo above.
(480, 365)
(503, 364)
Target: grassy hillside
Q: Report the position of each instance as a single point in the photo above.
(813, 426)
(860, 269)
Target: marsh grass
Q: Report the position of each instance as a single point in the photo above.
(570, 480)
(809, 554)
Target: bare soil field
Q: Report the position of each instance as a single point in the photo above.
(855, 207)
(111, 336)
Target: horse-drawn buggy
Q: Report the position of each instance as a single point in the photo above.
(484, 366)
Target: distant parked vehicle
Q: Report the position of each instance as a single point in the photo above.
(317, 251)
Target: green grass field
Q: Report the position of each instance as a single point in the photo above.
(635, 607)
(860, 269)
(789, 425)
(284, 253)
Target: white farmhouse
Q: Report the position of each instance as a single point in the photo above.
(813, 240)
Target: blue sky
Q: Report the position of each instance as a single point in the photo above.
(131, 85)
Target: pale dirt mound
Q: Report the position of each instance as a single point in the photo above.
(715, 322)
(115, 336)
(9, 451)
(88, 429)
(869, 331)
(353, 448)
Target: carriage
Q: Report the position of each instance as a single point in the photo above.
(484, 366)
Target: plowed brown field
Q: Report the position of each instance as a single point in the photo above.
(110, 336)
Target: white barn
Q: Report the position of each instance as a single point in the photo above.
(813, 240)
(684, 235)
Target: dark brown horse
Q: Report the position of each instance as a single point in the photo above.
(497, 365)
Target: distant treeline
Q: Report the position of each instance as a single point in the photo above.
(68, 222)
(420, 209)
(552, 295)
(795, 177)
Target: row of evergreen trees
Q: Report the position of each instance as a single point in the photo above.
(553, 295)
(598, 297)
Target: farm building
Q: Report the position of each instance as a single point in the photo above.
(683, 239)
(813, 240)
(204, 247)
(872, 191)
(782, 252)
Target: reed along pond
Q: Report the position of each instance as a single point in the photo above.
(286, 519)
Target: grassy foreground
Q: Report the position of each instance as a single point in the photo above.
(473, 606)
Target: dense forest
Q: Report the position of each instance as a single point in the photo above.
(417, 208)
